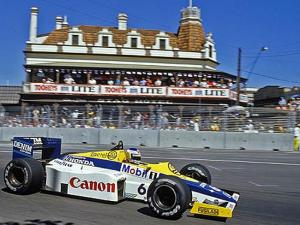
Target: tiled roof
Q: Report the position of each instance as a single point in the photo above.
(10, 94)
(191, 37)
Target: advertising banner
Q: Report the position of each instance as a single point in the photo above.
(198, 92)
(133, 90)
(64, 89)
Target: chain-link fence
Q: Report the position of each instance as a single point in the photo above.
(166, 117)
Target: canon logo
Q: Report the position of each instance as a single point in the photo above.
(75, 182)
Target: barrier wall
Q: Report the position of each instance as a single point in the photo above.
(159, 138)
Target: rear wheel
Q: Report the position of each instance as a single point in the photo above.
(24, 176)
(168, 196)
(197, 172)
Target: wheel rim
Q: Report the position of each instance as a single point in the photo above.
(16, 176)
(197, 176)
(165, 197)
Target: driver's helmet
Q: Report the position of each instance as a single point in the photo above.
(133, 155)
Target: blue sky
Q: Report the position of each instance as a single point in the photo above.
(249, 24)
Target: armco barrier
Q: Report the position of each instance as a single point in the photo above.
(162, 138)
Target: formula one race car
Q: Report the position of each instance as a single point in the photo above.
(114, 175)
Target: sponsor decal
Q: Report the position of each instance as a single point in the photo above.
(139, 172)
(173, 169)
(76, 182)
(208, 211)
(79, 160)
(62, 163)
(37, 141)
(105, 155)
(44, 88)
(23, 147)
(198, 170)
(130, 195)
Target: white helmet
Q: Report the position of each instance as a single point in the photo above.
(133, 155)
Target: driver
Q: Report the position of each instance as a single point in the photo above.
(133, 155)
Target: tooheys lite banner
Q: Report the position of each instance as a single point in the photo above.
(198, 92)
(133, 90)
(64, 88)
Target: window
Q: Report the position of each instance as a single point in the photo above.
(210, 51)
(105, 41)
(162, 44)
(75, 39)
(133, 42)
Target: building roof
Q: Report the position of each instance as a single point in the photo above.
(10, 94)
(191, 37)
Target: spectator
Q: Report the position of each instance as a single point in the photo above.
(196, 83)
(125, 82)
(172, 82)
(296, 137)
(157, 83)
(110, 82)
(118, 80)
(135, 82)
(149, 82)
(203, 83)
(143, 82)
(181, 83)
(92, 81)
(47, 80)
(36, 114)
(69, 80)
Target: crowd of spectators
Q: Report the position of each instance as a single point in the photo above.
(112, 117)
(137, 80)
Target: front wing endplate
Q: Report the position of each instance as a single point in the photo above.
(210, 210)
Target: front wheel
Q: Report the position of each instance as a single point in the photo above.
(197, 172)
(169, 196)
(23, 176)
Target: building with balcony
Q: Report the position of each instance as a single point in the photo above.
(104, 65)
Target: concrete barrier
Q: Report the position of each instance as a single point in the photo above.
(155, 138)
(258, 141)
(76, 135)
(9, 132)
(192, 139)
(130, 137)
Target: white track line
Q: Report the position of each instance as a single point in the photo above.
(216, 168)
(219, 160)
(262, 185)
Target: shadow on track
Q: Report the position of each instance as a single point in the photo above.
(38, 222)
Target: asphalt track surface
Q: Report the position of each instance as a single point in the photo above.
(269, 184)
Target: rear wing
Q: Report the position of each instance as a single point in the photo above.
(25, 147)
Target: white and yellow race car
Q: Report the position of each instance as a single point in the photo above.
(114, 175)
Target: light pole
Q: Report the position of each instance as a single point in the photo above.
(238, 79)
(239, 65)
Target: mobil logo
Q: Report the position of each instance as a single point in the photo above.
(139, 172)
(76, 182)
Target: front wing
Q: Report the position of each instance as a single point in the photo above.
(211, 210)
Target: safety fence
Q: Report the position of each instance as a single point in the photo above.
(216, 118)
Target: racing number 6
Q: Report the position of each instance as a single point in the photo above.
(141, 189)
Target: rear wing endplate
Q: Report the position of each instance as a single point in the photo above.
(25, 147)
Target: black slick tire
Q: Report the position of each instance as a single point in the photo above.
(24, 176)
(197, 172)
(169, 196)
